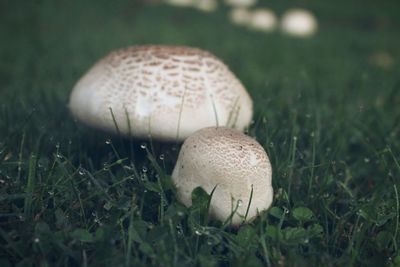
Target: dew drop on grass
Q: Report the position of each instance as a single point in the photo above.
(366, 160)
(197, 232)
(143, 146)
(240, 203)
(58, 145)
(2, 181)
(105, 166)
(179, 230)
(271, 144)
(108, 142)
(286, 210)
(60, 156)
(162, 157)
(36, 240)
(180, 213)
(144, 169)
(81, 171)
(51, 193)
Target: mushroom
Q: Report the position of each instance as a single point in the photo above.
(162, 92)
(299, 22)
(241, 3)
(232, 163)
(263, 19)
(206, 5)
(239, 15)
(180, 3)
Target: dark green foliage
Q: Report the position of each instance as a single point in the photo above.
(326, 110)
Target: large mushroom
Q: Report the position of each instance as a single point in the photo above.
(166, 92)
(232, 163)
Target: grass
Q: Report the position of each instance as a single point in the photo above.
(326, 111)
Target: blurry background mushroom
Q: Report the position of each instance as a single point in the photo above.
(162, 92)
(263, 19)
(298, 22)
(241, 3)
(240, 16)
(232, 162)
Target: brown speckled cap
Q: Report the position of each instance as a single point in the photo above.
(230, 160)
(167, 92)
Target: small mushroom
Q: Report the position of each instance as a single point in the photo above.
(263, 19)
(299, 22)
(232, 162)
(166, 92)
(239, 15)
(180, 3)
(241, 3)
(206, 5)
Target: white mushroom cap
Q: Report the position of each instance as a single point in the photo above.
(241, 3)
(263, 19)
(239, 16)
(233, 162)
(180, 3)
(206, 5)
(167, 92)
(299, 22)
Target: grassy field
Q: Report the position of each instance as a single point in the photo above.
(327, 111)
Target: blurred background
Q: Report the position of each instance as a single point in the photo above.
(325, 81)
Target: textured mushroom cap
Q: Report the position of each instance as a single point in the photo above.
(299, 22)
(166, 92)
(233, 162)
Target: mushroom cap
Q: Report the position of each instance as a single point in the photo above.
(206, 5)
(166, 92)
(230, 160)
(180, 3)
(299, 22)
(263, 19)
(240, 15)
(241, 3)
